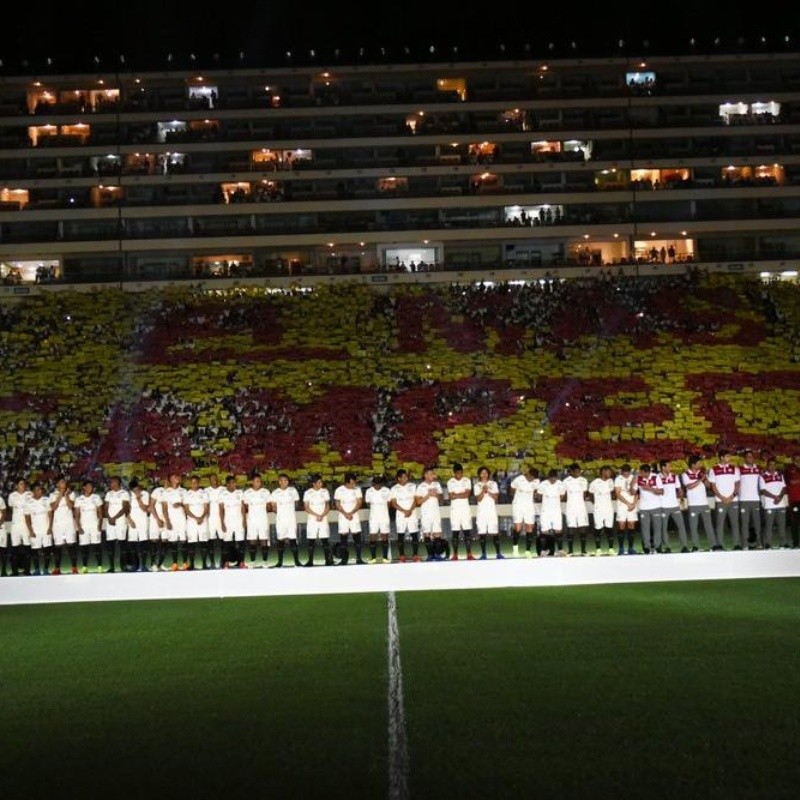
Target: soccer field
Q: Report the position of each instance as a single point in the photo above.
(659, 690)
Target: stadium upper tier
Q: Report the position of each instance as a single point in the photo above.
(369, 168)
(352, 377)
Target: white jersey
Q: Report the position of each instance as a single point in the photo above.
(232, 503)
(523, 491)
(378, 501)
(576, 489)
(774, 483)
(429, 494)
(156, 499)
(214, 494)
(551, 493)
(18, 502)
(455, 485)
(404, 496)
(115, 500)
(87, 505)
(348, 497)
(316, 499)
(63, 518)
(602, 491)
(724, 477)
(140, 517)
(670, 484)
(648, 500)
(285, 501)
(748, 483)
(38, 509)
(696, 496)
(174, 499)
(256, 501)
(195, 500)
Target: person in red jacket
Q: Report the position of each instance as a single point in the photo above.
(792, 476)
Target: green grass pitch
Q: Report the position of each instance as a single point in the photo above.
(648, 690)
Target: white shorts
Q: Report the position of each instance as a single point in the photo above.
(349, 525)
(460, 518)
(155, 532)
(285, 529)
(64, 534)
(176, 534)
(235, 534)
(89, 536)
(140, 533)
(20, 536)
(430, 522)
(196, 531)
(258, 530)
(523, 515)
(379, 524)
(577, 517)
(118, 532)
(317, 529)
(625, 514)
(214, 528)
(5, 535)
(551, 521)
(42, 537)
(405, 524)
(487, 524)
(603, 518)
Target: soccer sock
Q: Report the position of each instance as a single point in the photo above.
(373, 550)
(281, 546)
(570, 542)
(191, 551)
(610, 538)
(551, 543)
(559, 540)
(74, 557)
(401, 545)
(454, 542)
(482, 537)
(312, 544)
(515, 538)
(415, 543)
(357, 543)
(57, 557)
(3, 560)
(385, 550)
(295, 555)
(252, 548)
(326, 548)
(621, 540)
(174, 553)
(583, 534)
(496, 545)
(467, 542)
(598, 542)
(528, 537)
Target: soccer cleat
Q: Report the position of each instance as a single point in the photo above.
(454, 557)
(373, 561)
(621, 551)
(482, 557)
(631, 551)
(499, 556)
(515, 551)
(174, 567)
(684, 549)
(242, 565)
(695, 549)
(417, 558)
(84, 570)
(74, 571)
(360, 561)
(528, 554)
(471, 557)
(386, 561)
(56, 571)
(402, 559)
(184, 566)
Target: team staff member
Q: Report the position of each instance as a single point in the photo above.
(649, 491)
(772, 486)
(792, 477)
(749, 501)
(724, 478)
(695, 487)
(671, 508)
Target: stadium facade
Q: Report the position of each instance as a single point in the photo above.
(529, 165)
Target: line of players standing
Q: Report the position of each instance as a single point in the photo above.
(172, 524)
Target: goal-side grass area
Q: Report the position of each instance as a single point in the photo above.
(647, 690)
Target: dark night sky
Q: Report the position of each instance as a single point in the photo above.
(73, 34)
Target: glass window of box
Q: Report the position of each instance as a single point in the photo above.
(455, 86)
(14, 199)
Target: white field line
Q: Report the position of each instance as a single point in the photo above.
(398, 745)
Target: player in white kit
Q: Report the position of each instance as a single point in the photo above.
(602, 491)
(429, 493)
(523, 510)
(348, 499)
(196, 507)
(551, 493)
(627, 513)
(139, 525)
(576, 512)
(257, 499)
(284, 502)
(317, 505)
(88, 521)
(117, 506)
(231, 512)
(459, 491)
(213, 490)
(5, 539)
(487, 522)
(775, 501)
(406, 518)
(159, 539)
(174, 514)
(20, 536)
(376, 498)
(37, 519)
(62, 523)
